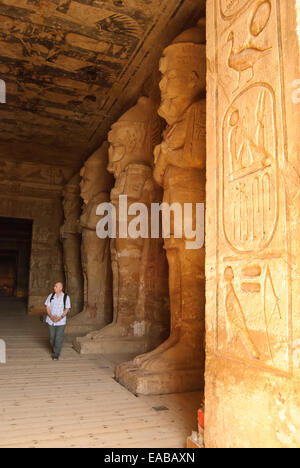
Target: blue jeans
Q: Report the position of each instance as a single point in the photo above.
(56, 335)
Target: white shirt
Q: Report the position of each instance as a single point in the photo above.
(57, 309)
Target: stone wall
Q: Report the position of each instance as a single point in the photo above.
(253, 210)
(30, 191)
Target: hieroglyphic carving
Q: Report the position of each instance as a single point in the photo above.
(236, 316)
(253, 321)
(245, 58)
(250, 187)
(231, 8)
(251, 49)
(33, 173)
(252, 243)
(260, 17)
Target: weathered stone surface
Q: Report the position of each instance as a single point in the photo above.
(253, 212)
(177, 364)
(95, 188)
(140, 292)
(33, 192)
(71, 240)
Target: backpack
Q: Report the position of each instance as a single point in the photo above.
(65, 299)
(43, 317)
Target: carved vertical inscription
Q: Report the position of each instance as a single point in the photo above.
(250, 188)
(254, 321)
(230, 8)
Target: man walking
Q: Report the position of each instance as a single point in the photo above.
(58, 305)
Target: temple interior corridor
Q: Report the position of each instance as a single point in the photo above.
(150, 194)
(75, 402)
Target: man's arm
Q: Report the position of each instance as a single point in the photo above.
(54, 319)
(65, 314)
(67, 309)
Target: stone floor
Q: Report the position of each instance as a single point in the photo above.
(76, 402)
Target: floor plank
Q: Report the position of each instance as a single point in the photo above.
(75, 402)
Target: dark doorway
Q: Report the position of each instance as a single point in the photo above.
(8, 273)
(15, 251)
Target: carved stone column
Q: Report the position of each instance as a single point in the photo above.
(71, 240)
(95, 187)
(141, 315)
(178, 364)
(252, 236)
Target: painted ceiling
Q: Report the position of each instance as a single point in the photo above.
(71, 67)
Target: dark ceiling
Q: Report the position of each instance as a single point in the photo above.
(72, 67)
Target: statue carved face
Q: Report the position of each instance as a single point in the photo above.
(71, 203)
(67, 203)
(94, 176)
(128, 144)
(118, 139)
(89, 184)
(180, 84)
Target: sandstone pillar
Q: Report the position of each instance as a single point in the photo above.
(140, 288)
(95, 187)
(178, 364)
(252, 225)
(71, 240)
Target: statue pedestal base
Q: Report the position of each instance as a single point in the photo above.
(82, 324)
(114, 345)
(140, 382)
(77, 329)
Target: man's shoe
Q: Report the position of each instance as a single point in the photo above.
(55, 358)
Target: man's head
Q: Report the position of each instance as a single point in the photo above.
(183, 74)
(58, 288)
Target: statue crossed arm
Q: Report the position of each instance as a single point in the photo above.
(184, 143)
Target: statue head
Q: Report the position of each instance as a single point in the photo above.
(71, 197)
(94, 176)
(183, 75)
(133, 137)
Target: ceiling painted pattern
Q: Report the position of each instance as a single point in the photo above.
(71, 68)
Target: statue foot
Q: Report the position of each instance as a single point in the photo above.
(180, 356)
(114, 330)
(174, 338)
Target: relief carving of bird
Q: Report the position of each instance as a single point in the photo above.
(245, 58)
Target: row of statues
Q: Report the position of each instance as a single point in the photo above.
(154, 287)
